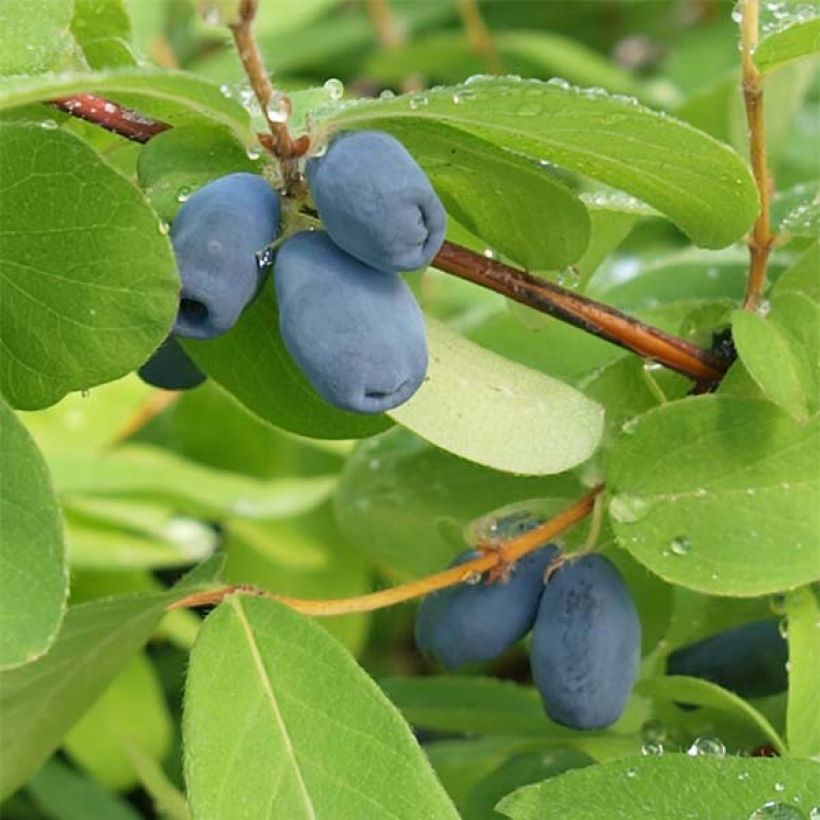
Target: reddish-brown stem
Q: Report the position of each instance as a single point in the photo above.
(761, 239)
(587, 314)
(110, 115)
(608, 323)
(506, 554)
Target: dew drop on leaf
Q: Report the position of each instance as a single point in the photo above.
(628, 508)
(773, 810)
(707, 745)
(681, 545)
(631, 773)
(48, 124)
(183, 194)
(652, 748)
(335, 89)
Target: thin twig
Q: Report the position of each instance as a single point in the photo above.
(761, 239)
(275, 107)
(593, 317)
(506, 555)
(580, 311)
(481, 40)
(388, 33)
(156, 403)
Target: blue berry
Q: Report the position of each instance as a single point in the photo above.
(376, 202)
(586, 644)
(477, 622)
(216, 236)
(749, 660)
(170, 368)
(357, 334)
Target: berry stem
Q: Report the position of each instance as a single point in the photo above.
(156, 403)
(508, 553)
(705, 367)
(761, 238)
(582, 312)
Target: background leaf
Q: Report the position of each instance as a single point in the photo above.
(672, 785)
(102, 29)
(792, 43)
(469, 393)
(33, 577)
(700, 184)
(34, 34)
(298, 706)
(708, 492)
(802, 718)
(82, 261)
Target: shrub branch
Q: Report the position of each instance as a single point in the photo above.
(493, 560)
(761, 238)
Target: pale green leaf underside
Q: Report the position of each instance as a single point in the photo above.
(482, 407)
(299, 732)
(699, 183)
(669, 786)
(719, 494)
(88, 283)
(34, 34)
(33, 578)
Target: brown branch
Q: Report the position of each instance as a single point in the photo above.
(494, 559)
(156, 403)
(110, 115)
(605, 322)
(275, 107)
(761, 239)
(481, 40)
(582, 312)
(389, 35)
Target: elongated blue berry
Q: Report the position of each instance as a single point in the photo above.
(357, 334)
(586, 644)
(171, 368)
(749, 660)
(216, 236)
(477, 622)
(376, 202)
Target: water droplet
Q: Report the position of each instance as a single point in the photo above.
(48, 125)
(184, 194)
(253, 153)
(489, 253)
(265, 257)
(680, 545)
(211, 13)
(651, 748)
(743, 776)
(473, 579)
(780, 787)
(814, 814)
(163, 227)
(764, 308)
(776, 811)
(631, 773)
(783, 628)
(628, 508)
(226, 90)
(387, 94)
(335, 89)
(707, 745)
(654, 731)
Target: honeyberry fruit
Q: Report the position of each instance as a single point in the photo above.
(171, 368)
(357, 334)
(470, 623)
(586, 644)
(376, 202)
(216, 236)
(749, 660)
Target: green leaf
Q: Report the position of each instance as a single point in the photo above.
(34, 35)
(519, 770)
(792, 43)
(64, 794)
(177, 162)
(82, 261)
(516, 206)
(700, 184)
(396, 488)
(169, 802)
(680, 689)
(132, 710)
(33, 577)
(150, 473)
(711, 492)
(767, 354)
(802, 716)
(468, 394)
(41, 701)
(672, 785)
(185, 90)
(796, 211)
(803, 276)
(302, 709)
(103, 31)
(271, 385)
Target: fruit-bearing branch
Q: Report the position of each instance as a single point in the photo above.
(493, 559)
(601, 320)
(761, 238)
